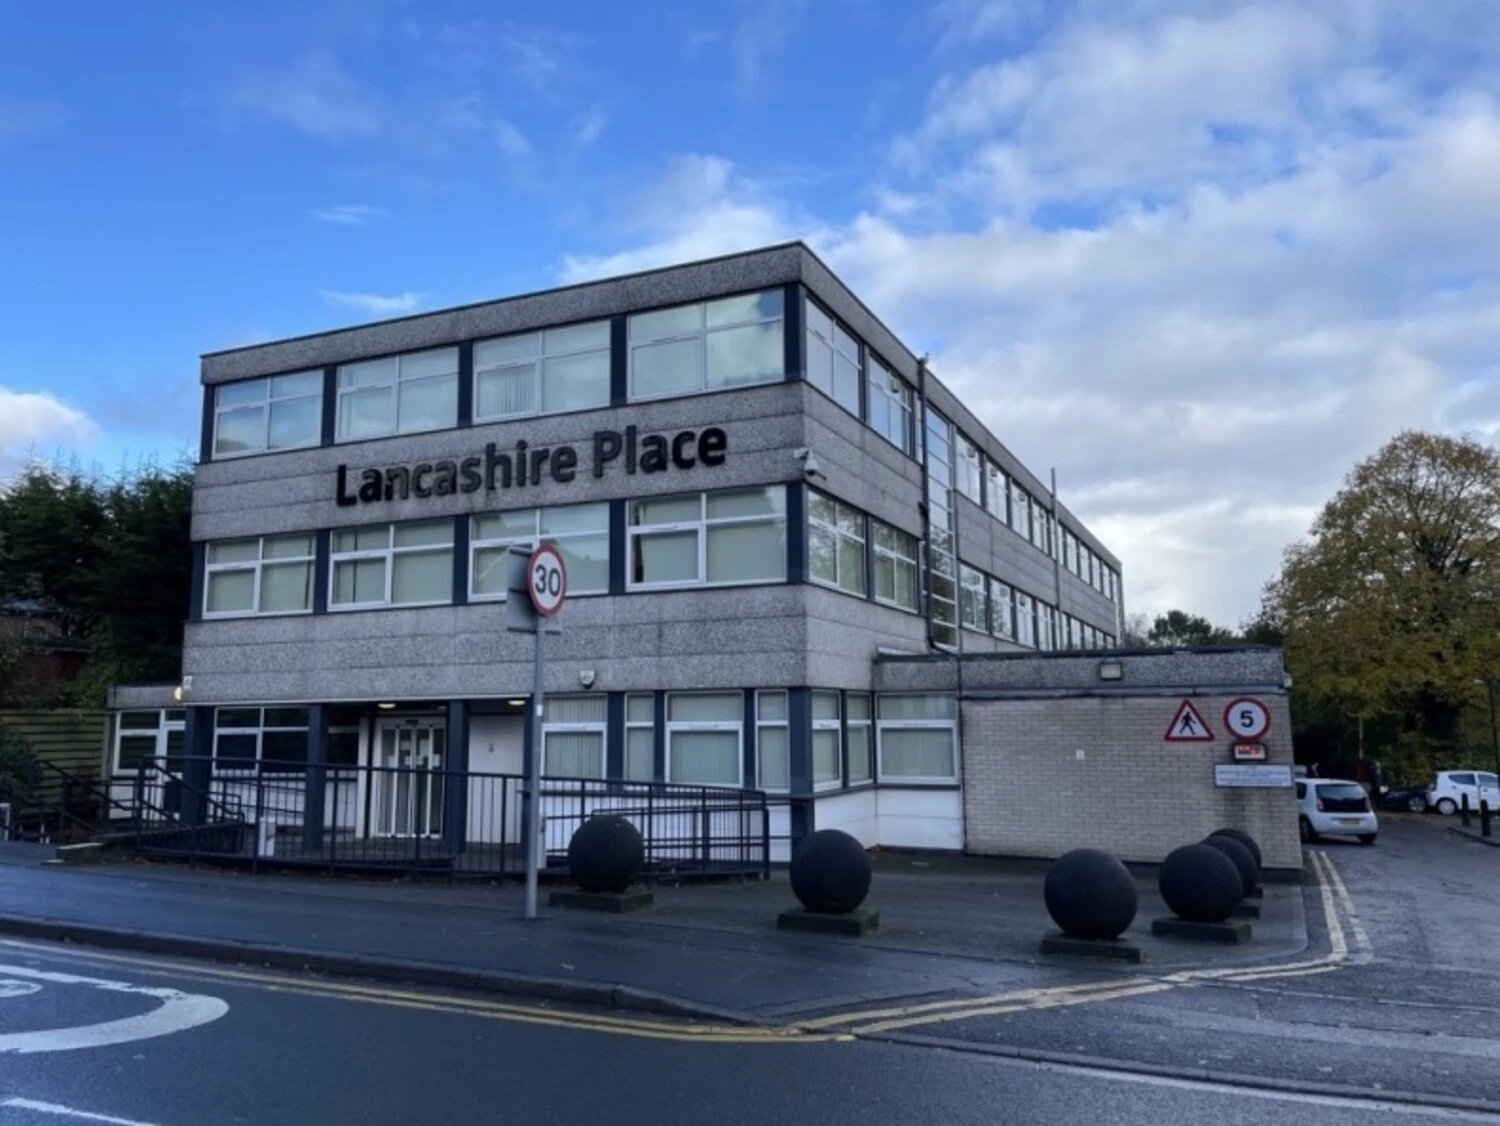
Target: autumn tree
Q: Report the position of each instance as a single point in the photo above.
(1178, 628)
(1390, 607)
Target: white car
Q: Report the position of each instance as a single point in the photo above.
(1335, 807)
(1449, 787)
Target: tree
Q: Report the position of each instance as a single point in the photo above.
(1177, 628)
(1392, 607)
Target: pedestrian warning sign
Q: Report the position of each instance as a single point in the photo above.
(1188, 727)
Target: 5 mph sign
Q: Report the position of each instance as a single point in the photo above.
(547, 580)
(1247, 719)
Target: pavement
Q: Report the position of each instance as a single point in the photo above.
(951, 927)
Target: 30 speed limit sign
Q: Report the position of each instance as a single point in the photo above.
(547, 580)
(1247, 718)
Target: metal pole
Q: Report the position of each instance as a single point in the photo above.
(534, 780)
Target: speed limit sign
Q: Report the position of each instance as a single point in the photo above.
(1247, 718)
(547, 580)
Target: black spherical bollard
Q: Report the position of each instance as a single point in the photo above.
(1245, 839)
(1199, 883)
(830, 872)
(1244, 863)
(1090, 894)
(606, 853)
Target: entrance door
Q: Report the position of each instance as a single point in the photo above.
(408, 778)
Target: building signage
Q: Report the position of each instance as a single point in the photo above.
(1268, 776)
(1250, 752)
(1187, 726)
(526, 465)
(1247, 718)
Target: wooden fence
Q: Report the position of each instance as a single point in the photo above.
(70, 738)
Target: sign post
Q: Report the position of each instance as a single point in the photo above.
(541, 575)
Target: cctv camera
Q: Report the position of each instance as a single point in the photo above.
(809, 460)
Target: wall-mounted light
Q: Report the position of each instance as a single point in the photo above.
(516, 703)
(1111, 670)
(385, 706)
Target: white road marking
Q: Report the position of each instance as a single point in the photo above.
(177, 1012)
(9, 989)
(69, 1112)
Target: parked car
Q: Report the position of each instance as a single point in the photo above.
(1409, 799)
(1335, 807)
(1449, 787)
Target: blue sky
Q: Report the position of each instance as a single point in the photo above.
(1199, 255)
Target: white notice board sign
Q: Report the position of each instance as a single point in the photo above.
(1243, 776)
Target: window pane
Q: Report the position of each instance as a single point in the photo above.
(859, 751)
(846, 383)
(666, 557)
(491, 570)
(574, 518)
(906, 584)
(231, 591)
(576, 709)
(236, 750)
(296, 422)
(573, 754)
(726, 707)
(749, 307)
(140, 721)
(135, 750)
(284, 746)
(359, 580)
(753, 354)
(365, 413)
(819, 361)
(819, 321)
(662, 369)
(301, 383)
(370, 373)
(587, 561)
(916, 707)
(372, 537)
(916, 753)
(852, 565)
(505, 350)
(666, 322)
(773, 767)
(234, 551)
(519, 523)
(342, 748)
(439, 361)
(576, 338)
(240, 431)
(705, 758)
(286, 587)
(747, 502)
(287, 547)
(228, 395)
(859, 705)
(424, 534)
(746, 552)
(505, 391)
(429, 404)
(285, 717)
(640, 755)
(770, 705)
(423, 577)
(576, 382)
(237, 717)
(825, 754)
(666, 510)
(640, 709)
(823, 550)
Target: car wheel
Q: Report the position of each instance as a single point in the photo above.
(1367, 838)
(1447, 807)
(1417, 803)
(1304, 826)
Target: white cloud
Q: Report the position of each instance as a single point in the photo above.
(373, 304)
(315, 94)
(510, 140)
(589, 127)
(32, 418)
(763, 29)
(20, 117)
(347, 214)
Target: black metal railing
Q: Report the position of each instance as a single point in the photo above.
(57, 806)
(418, 820)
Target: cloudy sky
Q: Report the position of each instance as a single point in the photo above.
(1198, 255)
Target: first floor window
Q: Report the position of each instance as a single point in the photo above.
(1045, 626)
(393, 564)
(997, 492)
(826, 761)
(640, 737)
(773, 755)
(1002, 612)
(836, 543)
(573, 734)
(895, 567)
(1020, 510)
(970, 470)
(917, 738)
(1025, 619)
(860, 738)
(892, 402)
(703, 737)
(944, 588)
(580, 531)
(273, 738)
(398, 394)
(731, 342)
(557, 369)
(832, 359)
(734, 536)
(265, 575)
(972, 610)
(280, 412)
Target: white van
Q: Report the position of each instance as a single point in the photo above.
(1450, 786)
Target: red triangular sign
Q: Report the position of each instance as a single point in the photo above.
(1188, 727)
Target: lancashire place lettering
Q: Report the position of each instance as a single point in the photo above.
(526, 465)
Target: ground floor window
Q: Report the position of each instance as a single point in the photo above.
(273, 738)
(917, 739)
(827, 767)
(773, 753)
(704, 730)
(574, 730)
(640, 737)
(143, 736)
(859, 738)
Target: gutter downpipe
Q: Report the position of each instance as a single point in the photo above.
(924, 507)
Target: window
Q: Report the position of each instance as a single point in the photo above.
(1075, 634)
(892, 406)
(398, 395)
(640, 737)
(273, 738)
(1093, 570)
(1039, 519)
(832, 359)
(895, 567)
(282, 412)
(970, 471)
(836, 544)
(1002, 612)
(827, 769)
(859, 737)
(573, 733)
(972, 611)
(916, 738)
(1070, 552)
(1020, 510)
(735, 536)
(341, 747)
(732, 342)
(580, 531)
(557, 369)
(997, 492)
(1046, 626)
(392, 565)
(143, 736)
(1025, 619)
(269, 575)
(942, 567)
(703, 738)
(773, 753)
(1112, 586)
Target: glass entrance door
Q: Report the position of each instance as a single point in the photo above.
(409, 779)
